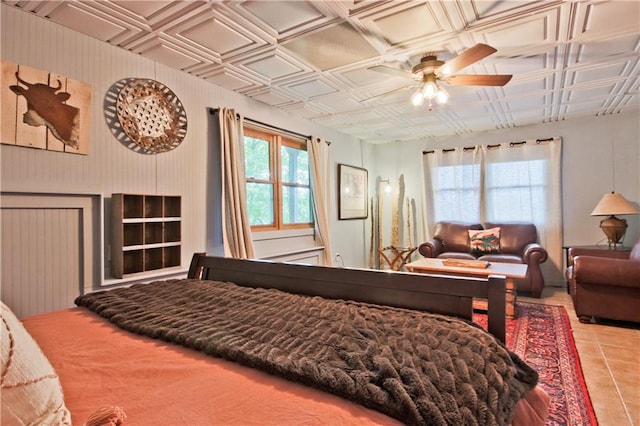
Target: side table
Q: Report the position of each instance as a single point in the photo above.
(399, 256)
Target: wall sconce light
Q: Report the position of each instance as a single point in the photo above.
(387, 187)
(613, 227)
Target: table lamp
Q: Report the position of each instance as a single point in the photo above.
(613, 227)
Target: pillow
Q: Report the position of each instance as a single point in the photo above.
(31, 391)
(484, 241)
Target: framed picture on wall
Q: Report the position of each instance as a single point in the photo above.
(353, 192)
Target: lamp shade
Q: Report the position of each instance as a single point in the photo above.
(612, 204)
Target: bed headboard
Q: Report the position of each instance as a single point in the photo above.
(432, 293)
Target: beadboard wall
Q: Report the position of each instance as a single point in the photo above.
(110, 167)
(58, 267)
(48, 252)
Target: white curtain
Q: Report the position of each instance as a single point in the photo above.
(453, 178)
(319, 164)
(236, 229)
(523, 183)
(503, 182)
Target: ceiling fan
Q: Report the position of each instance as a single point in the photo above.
(430, 71)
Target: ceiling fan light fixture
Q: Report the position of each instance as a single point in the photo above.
(430, 71)
(429, 86)
(430, 90)
(442, 96)
(417, 98)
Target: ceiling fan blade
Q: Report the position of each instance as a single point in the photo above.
(478, 80)
(466, 58)
(390, 92)
(396, 72)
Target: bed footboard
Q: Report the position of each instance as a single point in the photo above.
(439, 294)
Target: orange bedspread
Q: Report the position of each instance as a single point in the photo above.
(161, 384)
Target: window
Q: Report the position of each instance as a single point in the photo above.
(454, 177)
(457, 192)
(520, 185)
(277, 174)
(512, 190)
(490, 184)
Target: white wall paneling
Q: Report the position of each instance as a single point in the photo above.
(296, 245)
(48, 250)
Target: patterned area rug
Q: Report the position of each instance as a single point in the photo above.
(541, 336)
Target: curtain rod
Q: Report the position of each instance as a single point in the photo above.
(469, 148)
(260, 123)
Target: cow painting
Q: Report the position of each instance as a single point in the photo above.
(46, 107)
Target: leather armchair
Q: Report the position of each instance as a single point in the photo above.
(518, 244)
(605, 283)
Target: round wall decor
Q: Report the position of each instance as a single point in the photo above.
(151, 115)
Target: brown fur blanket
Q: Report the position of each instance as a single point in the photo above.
(414, 366)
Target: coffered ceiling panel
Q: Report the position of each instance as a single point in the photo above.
(226, 40)
(162, 52)
(528, 115)
(271, 98)
(589, 95)
(303, 110)
(595, 19)
(314, 59)
(87, 22)
(525, 32)
(226, 79)
(299, 14)
(593, 74)
(313, 88)
(391, 24)
(332, 47)
(272, 67)
(577, 108)
(142, 8)
(604, 50)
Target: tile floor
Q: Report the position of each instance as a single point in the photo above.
(610, 357)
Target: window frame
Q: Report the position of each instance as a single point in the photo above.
(276, 140)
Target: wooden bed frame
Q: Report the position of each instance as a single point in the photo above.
(432, 293)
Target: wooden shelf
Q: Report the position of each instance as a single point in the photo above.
(146, 233)
(132, 206)
(153, 232)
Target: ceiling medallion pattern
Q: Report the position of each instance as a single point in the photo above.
(151, 115)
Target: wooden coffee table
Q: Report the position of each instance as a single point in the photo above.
(508, 270)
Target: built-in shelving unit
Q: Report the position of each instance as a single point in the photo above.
(146, 233)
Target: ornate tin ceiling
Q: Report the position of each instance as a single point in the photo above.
(311, 58)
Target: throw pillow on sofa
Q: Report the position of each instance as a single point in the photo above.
(485, 241)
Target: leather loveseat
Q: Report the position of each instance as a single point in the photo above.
(517, 243)
(605, 283)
